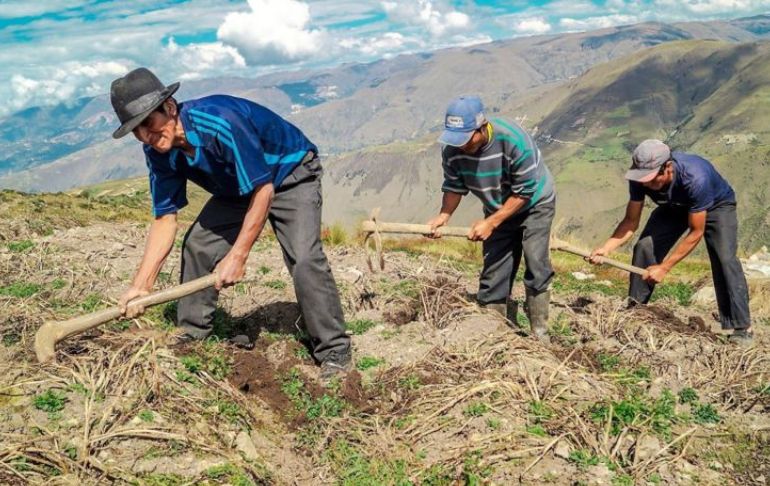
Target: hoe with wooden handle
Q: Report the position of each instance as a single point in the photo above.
(50, 333)
(374, 228)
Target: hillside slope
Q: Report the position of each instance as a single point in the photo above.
(704, 96)
(442, 394)
(343, 108)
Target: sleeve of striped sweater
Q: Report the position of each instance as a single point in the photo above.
(524, 173)
(452, 180)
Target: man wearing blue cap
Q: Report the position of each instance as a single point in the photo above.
(499, 162)
(692, 197)
(258, 168)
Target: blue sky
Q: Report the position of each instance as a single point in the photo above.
(58, 50)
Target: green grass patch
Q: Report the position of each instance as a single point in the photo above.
(354, 468)
(20, 246)
(367, 362)
(476, 409)
(163, 479)
(324, 406)
(637, 411)
(20, 290)
(475, 472)
(567, 283)
(680, 292)
(208, 357)
(230, 474)
(359, 326)
(705, 414)
(146, 416)
(608, 362)
(11, 339)
(583, 458)
(494, 423)
(410, 382)
(537, 430)
(540, 411)
(51, 401)
(275, 284)
(687, 395)
(92, 302)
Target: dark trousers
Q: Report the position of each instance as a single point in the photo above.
(528, 233)
(295, 215)
(664, 228)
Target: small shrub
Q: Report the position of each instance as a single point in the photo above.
(493, 423)
(608, 362)
(582, 458)
(705, 414)
(476, 409)
(687, 395)
(540, 411)
(334, 235)
(91, 303)
(192, 362)
(410, 382)
(51, 401)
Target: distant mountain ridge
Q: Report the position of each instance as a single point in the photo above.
(344, 108)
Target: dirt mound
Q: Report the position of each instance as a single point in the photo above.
(667, 319)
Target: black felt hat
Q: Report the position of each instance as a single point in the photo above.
(135, 96)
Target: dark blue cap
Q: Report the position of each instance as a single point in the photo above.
(463, 115)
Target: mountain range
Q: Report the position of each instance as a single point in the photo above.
(588, 96)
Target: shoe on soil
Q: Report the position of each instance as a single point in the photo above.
(182, 339)
(241, 341)
(336, 365)
(742, 337)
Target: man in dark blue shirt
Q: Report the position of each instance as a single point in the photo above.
(257, 167)
(691, 195)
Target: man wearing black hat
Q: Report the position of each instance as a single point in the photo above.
(257, 167)
(692, 197)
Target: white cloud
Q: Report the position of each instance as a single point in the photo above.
(10, 9)
(373, 46)
(206, 59)
(537, 25)
(425, 13)
(599, 22)
(274, 32)
(712, 7)
(64, 83)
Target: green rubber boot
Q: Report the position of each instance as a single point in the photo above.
(537, 305)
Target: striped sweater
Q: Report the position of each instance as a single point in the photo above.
(509, 164)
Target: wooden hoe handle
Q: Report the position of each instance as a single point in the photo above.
(567, 248)
(51, 333)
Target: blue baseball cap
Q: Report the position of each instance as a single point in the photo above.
(463, 115)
